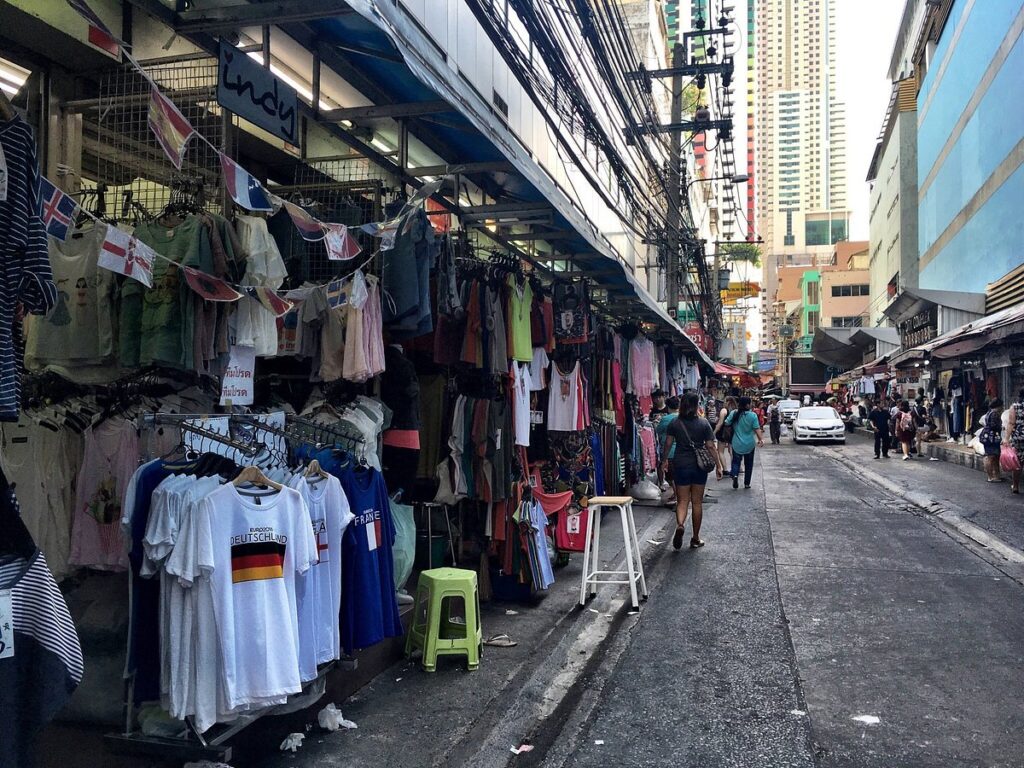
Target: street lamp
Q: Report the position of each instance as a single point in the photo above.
(738, 178)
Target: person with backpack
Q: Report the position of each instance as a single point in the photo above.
(745, 428)
(906, 428)
(991, 439)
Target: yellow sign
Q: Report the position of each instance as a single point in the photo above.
(742, 290)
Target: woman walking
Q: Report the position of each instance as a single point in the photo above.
(686, 434)
(991, 438)
(723, 431)
(745, 428)
(906, 429)
(1015, 438)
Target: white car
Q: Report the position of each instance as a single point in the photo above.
(818, 422)
(788, 410)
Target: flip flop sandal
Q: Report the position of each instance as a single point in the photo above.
(501, 641)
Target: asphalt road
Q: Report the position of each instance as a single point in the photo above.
(825, 623)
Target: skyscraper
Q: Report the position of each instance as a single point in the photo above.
(800, 160)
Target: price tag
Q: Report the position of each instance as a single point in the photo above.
(6, 625)
(572, 524)
(536, 417)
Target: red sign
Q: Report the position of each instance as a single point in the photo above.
(696, 333)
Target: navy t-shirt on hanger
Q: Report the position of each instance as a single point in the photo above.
(369, 609)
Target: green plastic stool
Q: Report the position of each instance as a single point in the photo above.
(432, 630)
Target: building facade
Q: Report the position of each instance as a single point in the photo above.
(893, 203)
(970, 146)
(800, 144)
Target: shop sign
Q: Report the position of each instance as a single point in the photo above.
(1000, 358)
(740, 290)
(252, 91)
(908, 379)
(237, 385)
(698, 336)
(921, 328)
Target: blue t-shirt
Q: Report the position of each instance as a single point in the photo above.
(369, 609)
(743, 427)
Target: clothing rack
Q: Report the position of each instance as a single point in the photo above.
(318, 429)
(184, 421)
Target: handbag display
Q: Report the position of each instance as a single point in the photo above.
(705, 461)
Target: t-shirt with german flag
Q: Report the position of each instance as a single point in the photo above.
(252, 547)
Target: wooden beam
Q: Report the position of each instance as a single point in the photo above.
(410, 109)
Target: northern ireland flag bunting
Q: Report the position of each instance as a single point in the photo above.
(58, 209)
(99, 34)
(243, 187)
(125, 255)
(170, 127)
(309, 227)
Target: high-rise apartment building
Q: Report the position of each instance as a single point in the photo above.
(800, 142)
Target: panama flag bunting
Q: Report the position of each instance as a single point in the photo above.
(243, 187)
(170, 127)
(125, 255)
(309, 227)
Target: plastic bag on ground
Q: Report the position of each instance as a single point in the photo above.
(331, 719)
(404, 550)
(293, 742)
(645, 490)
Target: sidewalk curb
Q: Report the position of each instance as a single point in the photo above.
(948, 515)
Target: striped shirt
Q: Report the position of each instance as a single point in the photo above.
(25, 275)
(46, 667)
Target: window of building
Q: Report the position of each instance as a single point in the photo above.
(813, 318)
(819, 232)
(851, 290)
(813, 293)
(855, 321)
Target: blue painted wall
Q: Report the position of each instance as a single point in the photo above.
(991, 240)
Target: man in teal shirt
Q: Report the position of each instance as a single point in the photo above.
(661, 430)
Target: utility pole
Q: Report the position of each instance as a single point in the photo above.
(675, 186)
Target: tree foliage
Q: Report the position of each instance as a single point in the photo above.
(748, 252)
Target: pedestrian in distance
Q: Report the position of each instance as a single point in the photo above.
(723, 431)
(775, 423)
(661, 430)
(746, 435)
(906, 428)
(878, 418)
(921, 423)
(991, 439)
(1015, 438)
(683, 436)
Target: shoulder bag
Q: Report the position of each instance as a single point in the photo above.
(705, 461)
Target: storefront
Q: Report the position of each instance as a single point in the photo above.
(243, 328)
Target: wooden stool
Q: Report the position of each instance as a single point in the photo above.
(592, 550)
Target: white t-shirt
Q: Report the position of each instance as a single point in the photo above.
(564, 400)
(318, 591)
(539, 369)
(521, 402)
(251, 549)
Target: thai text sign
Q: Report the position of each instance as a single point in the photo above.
(253, 92)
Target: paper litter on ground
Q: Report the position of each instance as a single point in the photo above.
(510, 612)
(599, 742)
(293, 742)
(521, 749)
(797, 712)
(867, 719)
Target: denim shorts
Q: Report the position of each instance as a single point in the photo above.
(689, 476)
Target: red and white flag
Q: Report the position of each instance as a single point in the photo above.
(125, 255)
(209, 287)
(341, 246)
(309, 226)
(170, 127)
(99, 34)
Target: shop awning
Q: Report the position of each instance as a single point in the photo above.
(832, 346)
(747, 379)
(967, 339)
(916, 300)
(866, 337)
(393, 52)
